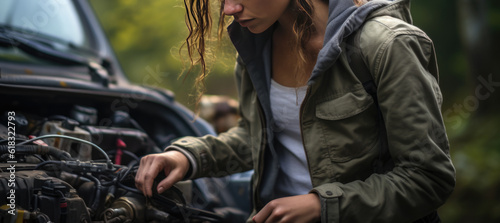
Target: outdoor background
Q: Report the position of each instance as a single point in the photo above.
(146, 36)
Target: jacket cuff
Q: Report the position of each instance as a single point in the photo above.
(329, 197)
(193, 167)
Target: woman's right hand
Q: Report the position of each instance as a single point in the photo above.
(173, 163)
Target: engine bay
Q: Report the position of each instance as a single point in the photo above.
(72, 157)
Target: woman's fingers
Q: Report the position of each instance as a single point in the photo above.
(148, 170)
(173, 177)
(265, 213)
(173, 163)
(300, 208)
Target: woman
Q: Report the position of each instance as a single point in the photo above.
(309, 128)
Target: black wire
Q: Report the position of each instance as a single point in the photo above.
(126, 152)
(133, 163)
(134, 190)
(135, 157)
(127, 172)
(121, 177)
(38, 157)
(107, 184)
(99, 188)
(47, 163)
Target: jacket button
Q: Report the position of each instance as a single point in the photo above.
(329, 193)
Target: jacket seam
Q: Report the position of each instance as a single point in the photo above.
(391, 37)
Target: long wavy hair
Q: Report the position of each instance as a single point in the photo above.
(199, 23)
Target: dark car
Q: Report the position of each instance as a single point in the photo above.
(73, 128)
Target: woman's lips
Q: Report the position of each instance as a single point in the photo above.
(244, 22)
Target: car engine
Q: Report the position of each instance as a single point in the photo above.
(70, 168)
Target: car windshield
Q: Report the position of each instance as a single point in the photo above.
(54, 23)
(53, 18)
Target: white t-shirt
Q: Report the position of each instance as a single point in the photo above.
(294, 177)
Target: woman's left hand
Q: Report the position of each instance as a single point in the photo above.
(300, 208)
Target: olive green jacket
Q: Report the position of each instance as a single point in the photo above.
(339, 124)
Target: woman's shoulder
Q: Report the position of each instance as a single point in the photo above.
(385, 38)
(381, 30)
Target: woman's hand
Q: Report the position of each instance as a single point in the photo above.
(173, 163)
(300, 208)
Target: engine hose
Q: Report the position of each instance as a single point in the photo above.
(155, 214)
(99, 188)
(40, 165)
(38, 149)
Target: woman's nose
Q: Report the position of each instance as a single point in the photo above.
(232, 7)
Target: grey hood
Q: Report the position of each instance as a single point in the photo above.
(344, 19)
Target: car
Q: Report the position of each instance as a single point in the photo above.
(73, 128)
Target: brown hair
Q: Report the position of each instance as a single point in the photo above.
(199, 23)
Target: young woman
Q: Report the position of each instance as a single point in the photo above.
(309, 128)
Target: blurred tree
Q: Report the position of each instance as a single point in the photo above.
(465, 34)
(476, 39)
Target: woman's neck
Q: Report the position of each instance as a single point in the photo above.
(319, 20)
(288, 68)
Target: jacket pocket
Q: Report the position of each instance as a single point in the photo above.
(348, 124)
(345, 106)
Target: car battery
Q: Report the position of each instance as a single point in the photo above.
(78, 150)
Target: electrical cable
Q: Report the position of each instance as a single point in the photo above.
(38, 157)
(126, 152)
(132, 163)
(16, 139)
(134, 190)
(108, 160)
(47, 163)
(127, 172)
(99, 188)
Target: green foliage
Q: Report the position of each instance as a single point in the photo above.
(147, 35)
(474, 140)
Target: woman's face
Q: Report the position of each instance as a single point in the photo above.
(256, 15)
